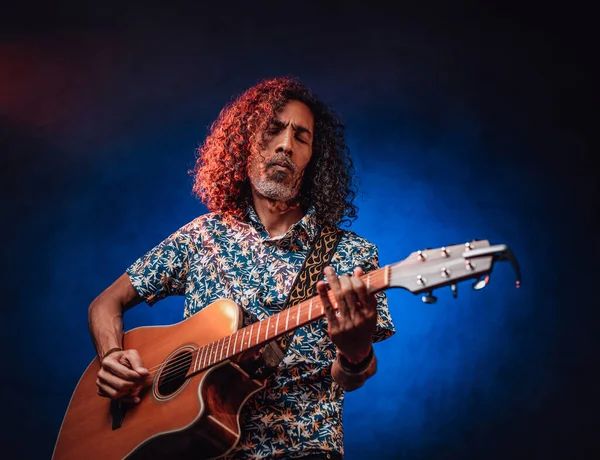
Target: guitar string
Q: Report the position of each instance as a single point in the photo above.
(182, 368)
(175, 371)
(251, 336)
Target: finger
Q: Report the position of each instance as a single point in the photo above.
(348, 295)
(357, 304)
(112, 392)
(113, 365)
(136, 362)
(358, 274)
(112, 381)
(106, 390)
(135, 391)
(330, 314)
(366, 299)
(336, 288)
(358, 271)
(101, 391)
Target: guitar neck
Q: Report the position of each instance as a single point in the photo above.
(261, 332)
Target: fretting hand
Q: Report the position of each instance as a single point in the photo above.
(351, 313)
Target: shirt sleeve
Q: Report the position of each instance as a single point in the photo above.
(163, 271)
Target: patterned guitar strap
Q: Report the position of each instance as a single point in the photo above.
(304, 287)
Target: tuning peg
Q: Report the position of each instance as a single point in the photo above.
(481, 283)
(454, 290)
(429, 298)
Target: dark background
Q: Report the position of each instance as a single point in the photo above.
(464, 122)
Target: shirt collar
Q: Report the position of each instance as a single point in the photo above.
(308, 224)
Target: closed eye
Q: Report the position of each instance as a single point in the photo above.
(301, 139)
(303, 134)
(275, 128)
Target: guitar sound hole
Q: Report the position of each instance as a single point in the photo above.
(172, 377)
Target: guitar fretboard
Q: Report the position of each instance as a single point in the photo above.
(274, 326)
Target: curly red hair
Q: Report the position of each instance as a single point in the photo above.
(221, 179)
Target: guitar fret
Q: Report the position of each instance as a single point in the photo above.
(277, 324)
(213, 354)
(204, 350)
(205, 356)
(228, 345)
(267, 328)
(287, 319)
(310, 309)
(298, 315)
(196, 368)
(243, 335)
(258, 333)
(208, 354)
(235, 342)
(222, 349)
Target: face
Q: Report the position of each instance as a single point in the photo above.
(276, 171)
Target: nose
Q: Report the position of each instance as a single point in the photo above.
(286, 142)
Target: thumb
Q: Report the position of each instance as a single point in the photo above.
(136, 363)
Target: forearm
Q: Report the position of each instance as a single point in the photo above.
(349, 379)
(105, 322)
(105, 314)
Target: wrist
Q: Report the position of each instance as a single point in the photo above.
(357, 364)
(356, 358)
(112, 350)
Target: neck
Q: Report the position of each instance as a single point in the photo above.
(276, 216)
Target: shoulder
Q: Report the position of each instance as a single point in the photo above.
(194, 231)
(203, 222)
(352, 241)
(354, 248)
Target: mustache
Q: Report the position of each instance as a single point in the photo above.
(285, 162)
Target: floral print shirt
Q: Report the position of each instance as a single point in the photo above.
(221, 256)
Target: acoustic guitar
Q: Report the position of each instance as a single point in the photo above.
(198, 380)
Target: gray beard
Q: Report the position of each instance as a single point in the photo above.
(273, 189)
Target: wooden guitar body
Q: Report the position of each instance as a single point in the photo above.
(198, 414)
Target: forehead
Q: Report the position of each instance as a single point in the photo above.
(298, 113)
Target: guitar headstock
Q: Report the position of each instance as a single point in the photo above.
(430, 269)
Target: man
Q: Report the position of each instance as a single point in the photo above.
(273, 170)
